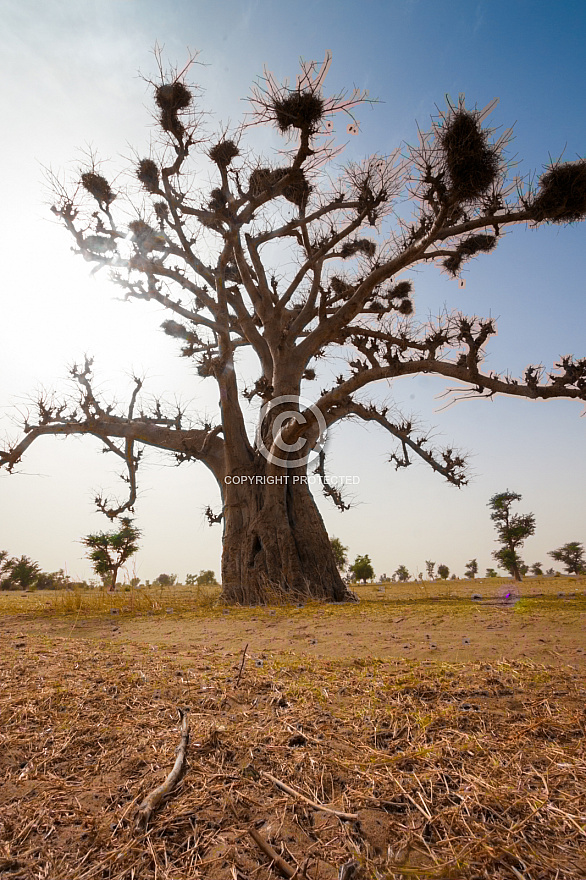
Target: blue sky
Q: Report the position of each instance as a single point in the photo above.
(70, 76)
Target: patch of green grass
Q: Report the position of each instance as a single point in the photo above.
(550, 604)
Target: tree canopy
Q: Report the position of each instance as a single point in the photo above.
(513, 529)
(362, 568)
(108, 551)
(572, 556)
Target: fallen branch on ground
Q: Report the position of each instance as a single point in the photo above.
(152, 801)
(284, 867)
(284, 787)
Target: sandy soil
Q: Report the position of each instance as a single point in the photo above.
(440, 756)
(547, 629)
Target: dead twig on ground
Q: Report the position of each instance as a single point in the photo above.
(350, 817)
(152, 801)
(284, 867)
(241, 665)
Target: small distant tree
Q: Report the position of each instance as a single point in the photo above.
(454, 577)
(572, 556)
(134, 582)
(491, 573)
(166, 580)
(512, 530)
(49, 581)
(109, 551)
(19, 573)
(471, 569)
(550, 573)
(6, 564)
(402, 574)
(429, 567)
(362, 568)
(340, 553)
(206, 578)
(190, 580)
(443, 572)
(536, 568)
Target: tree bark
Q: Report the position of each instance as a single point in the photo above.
(275, 543)
(112, 587)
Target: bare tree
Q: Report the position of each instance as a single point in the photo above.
(297, 265)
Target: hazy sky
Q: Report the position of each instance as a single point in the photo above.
(70, 81)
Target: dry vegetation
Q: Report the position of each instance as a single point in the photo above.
(444, 770)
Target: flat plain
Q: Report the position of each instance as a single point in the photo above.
(448, 732)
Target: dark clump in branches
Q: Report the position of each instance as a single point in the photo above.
(260, 180)
(359, 246)
(148, 174)
(296, 190)
(223, 152)
(468, 247)
(562, 194)
(405, 307)
(171, 98)
(402, 289)
(301, 109)
(472, 163)
(98, 187)
(145, 238)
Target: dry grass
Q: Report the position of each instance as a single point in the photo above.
(123, 600)
(450, 771)
(205, 600)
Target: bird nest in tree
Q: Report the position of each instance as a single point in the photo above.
(145, 236)
(467, 248)
(562, 194)
(148, 174)
(405, 307)
(472, 163)
(300, 109)
(223, 152)
(162, 211)
(171, 98)
(352, 768)
(359, 246)
(98, 187)
(296, 190)
(401, 290)
(217, 201)
(339, 285)
(474, 244)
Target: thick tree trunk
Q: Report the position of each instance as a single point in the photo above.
(275, 544)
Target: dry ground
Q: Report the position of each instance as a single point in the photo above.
(450, 731)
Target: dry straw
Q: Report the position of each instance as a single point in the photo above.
(367, 769)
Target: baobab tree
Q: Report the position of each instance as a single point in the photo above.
(299, 264)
